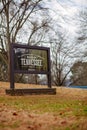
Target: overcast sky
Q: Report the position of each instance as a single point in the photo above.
(78, 3)
(69, 10)
(65, 12)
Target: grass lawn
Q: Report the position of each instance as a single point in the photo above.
(67, 110)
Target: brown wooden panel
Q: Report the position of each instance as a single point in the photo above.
(36, 91)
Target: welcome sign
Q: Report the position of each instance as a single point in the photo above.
(27, 59)
(30, 59)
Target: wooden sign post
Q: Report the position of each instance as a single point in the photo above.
(25, 59)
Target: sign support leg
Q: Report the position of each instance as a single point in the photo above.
(49, 80)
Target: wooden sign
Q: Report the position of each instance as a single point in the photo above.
(29, 60)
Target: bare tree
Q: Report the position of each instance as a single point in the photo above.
(79, 68)
(64, 53)
(15, 16)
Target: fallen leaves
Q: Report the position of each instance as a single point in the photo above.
(21, 119)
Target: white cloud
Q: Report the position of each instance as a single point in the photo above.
(80, 2)
(63, 14)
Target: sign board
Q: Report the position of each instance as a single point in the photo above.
(29, 60)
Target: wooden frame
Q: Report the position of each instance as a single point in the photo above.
(12, 67)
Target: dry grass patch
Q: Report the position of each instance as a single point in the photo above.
(67, 110)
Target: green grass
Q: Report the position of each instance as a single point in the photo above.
(41, 104)
(16, 124)
(63, 107)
